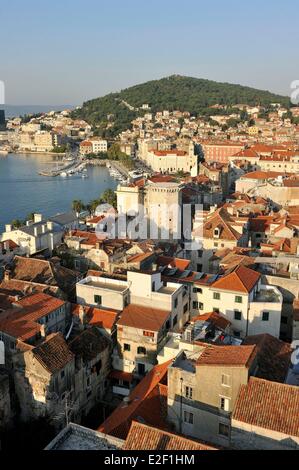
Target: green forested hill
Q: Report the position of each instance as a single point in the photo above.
(173, 93)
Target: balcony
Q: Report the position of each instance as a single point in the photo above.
(268, 294)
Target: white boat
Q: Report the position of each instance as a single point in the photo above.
(84, 175)
(63, 174)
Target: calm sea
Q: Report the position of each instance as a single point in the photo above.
(23, 191)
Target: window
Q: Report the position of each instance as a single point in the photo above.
(153, 286)
(284, 320)
(237, 315)
(224, 404)
(238, 299)
(199, 253)
(216, 295)
(216, 244)
(175, 303)
(189, 392)
(199, 268)
(265, 316)
(141, 350)
(188, 417)
(62, 374)
(198, 290)
(225, 380)
(237, 333)
(195, 305)
(185, 307)
(175, 320)
(200, 305)
(127, 347)
(223, 429)
(98, 299)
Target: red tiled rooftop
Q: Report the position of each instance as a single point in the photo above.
(148, 401)
(145, 318)
(97, 316)
(242, 279)
(268, 405)
(227, 355)
(144, 437)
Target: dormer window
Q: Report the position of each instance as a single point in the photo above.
(216, 232)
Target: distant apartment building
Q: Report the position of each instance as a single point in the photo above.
(44, 141)
(86, 147)
(99, 145)
(221, 151)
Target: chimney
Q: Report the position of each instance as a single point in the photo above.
(43, 331)
(37, 218)
(35, 231)
(8, 228)
(44, 228)
(7, 275)
(82, 315)
(50, 225)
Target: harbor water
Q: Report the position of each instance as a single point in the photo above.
(23, 190)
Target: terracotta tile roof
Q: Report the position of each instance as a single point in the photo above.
(145, 318)
(11, 244)
(273, 356)
(227, 355)
(18, 287)
(164, 153)
(263, 175)
(173, 262)
(268, 405)
(242, 279)
(22, 323)
(144, 437)
(53, 354)
(223, 222)
(88, 344)
(97, 316)
(139, 257)
(159, 178)
(148, 401)
(44, 272)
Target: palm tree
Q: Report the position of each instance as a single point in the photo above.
(94, 204)
(77, 206)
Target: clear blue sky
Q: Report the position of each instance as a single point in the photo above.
(67, 51)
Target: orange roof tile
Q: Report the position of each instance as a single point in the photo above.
(242, 279)
(145, 318)
(147, 401)
(268, 405)
(97, 316)
(227, 355)
(144, 437)
(22, 323)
